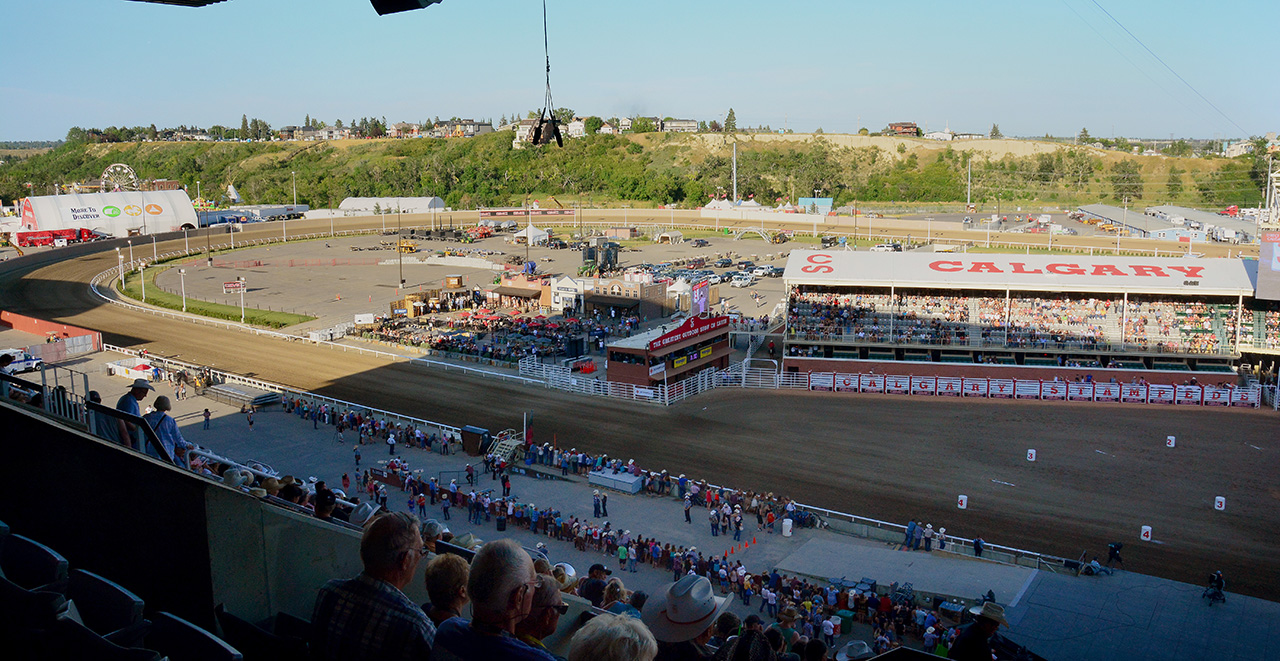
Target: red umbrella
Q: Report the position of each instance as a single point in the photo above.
(553, 325)
(540, 317)
(514, 313)
(484, 311)
(465, 314)
(571, 320)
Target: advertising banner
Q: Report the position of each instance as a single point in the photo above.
(949, 386)
(897, 385)
(1001, 388)
(679, 362)
(846, 382)
(1215, 396)
(1188, 394)
(975, 387)
(700, 298)
(655, 370)
(1106, 392)
(1133, 394)
(871, 382)
(924, 385)
(1027, 389)
(1246, 396)
(1053, 390)
(822, 381)
(1080, 392)
(1159, 394)
(691, 328)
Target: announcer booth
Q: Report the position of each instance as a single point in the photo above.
(671, 353)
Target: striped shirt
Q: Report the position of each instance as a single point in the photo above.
(366, 618)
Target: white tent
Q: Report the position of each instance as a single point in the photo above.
(119, 214)
(720, 205)
(533, 235)
(672, 236)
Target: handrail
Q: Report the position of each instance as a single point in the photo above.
(149, 434)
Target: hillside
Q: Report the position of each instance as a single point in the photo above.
(656, 168)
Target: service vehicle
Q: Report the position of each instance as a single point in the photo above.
(23, 361)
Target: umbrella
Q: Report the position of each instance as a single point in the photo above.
(540, 317)
(465, 314)
(514, 313)
(553, 325)
(484, 311)
(571, 320)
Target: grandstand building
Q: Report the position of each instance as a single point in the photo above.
(1158, 317)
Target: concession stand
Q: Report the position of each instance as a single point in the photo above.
(671, 352)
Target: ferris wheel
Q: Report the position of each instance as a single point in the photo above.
(120, 177)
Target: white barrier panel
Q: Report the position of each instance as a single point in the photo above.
(1056, 390)
(1188, 395)
(1215, 396)
(975, 387)
(1219, 503)
(872, 383)
(897, 385)
(1026, 389)
(962, 502)
(1106, 392)
(949, 386)
(1246, 396)
(1031, 455)
(1159, 393)
(1146, 534)
(1080, 392)
(822, 381)
(1134, 394)
(924, 385)
(1001, 388)
(846, 382)
(1171, 441)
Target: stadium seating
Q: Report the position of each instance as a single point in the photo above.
(72, 641)
(256, 642)
(33, 566)
(181, 640)
(106, 608)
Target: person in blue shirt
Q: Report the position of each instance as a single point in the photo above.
(126, 433)
(502, 586)
(166, 429)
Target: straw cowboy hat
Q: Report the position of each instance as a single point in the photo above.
(237, 477)
(990, 610)
(684, 609)
(272, 485)
(789, 614)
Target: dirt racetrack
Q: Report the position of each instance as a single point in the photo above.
(1102, 471)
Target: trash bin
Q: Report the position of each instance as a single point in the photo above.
(502, 523)
(786, 527)
(846, 620)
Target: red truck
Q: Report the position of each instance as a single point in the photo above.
(49, 237)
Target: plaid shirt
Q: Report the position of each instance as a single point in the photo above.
(365, 618)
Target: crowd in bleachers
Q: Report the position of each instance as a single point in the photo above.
(1021, 321)
(501, 337)
(1270, 336)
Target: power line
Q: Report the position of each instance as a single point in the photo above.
(1166, 65)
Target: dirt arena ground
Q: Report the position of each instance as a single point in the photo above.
(1102, 470)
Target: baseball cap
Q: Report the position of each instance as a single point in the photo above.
(599, 567)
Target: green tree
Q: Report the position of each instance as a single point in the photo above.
(1123, 144)
(563, 115)
(592, 124)
(864, 131)
(1084, 138)
(643, 125)
(995, 132)
(1174, 184)
(337, 123)
(1126, 180)
(1178, 148)
(730, 122)
(244, 126)
(306, 123)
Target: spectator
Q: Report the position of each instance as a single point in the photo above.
(431, 531)
(446, 578)
(325, 502)
(544, 615)
(368, 617)
(166, 429)
(815, 650)
(632, 606)
(613, 638)
(975, 643)
(682, 616)
(752, 645)
(502, 584)
(727, 626)
(126, 433)
(592, 587)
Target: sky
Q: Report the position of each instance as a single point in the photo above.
(1048, 66)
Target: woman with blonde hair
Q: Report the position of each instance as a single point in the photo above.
(613, 638)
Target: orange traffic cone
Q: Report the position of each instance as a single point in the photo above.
(731, 550)
(746, 545)
(753, 540)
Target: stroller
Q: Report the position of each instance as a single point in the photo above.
(1214, 593)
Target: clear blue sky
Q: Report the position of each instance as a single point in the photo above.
(1048, 66)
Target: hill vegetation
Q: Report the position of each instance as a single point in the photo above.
(654, 168)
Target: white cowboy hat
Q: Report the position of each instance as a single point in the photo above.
(684, 609)
(991, 611)
(854, 650)
(141, 383)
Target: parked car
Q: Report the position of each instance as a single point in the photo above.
(775, 272)
(723, 263)
(882, 247)
(746, 265)
(743, 281)
(761, 271)
(701, 243)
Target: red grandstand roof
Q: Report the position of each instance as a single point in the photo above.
(1062, 273)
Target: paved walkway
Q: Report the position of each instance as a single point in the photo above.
(1126, 616)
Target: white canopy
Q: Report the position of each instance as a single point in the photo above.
(118, 214)
(671, 236)
(391, 204)
(533, 235)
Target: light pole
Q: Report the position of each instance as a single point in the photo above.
(1124, 223)
(182, 273)
(197, 189)
(295, 188)
(186, 243)
(816, 192)
(130, 242)
(155, 254)
(928, 229)
(142, 272)
(120, 259)
(240, 279)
